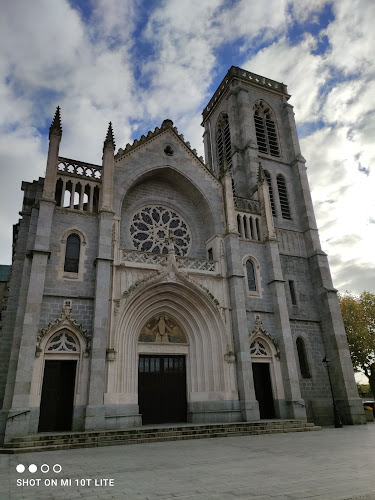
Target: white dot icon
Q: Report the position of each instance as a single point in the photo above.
(20, 468)
(33, 468)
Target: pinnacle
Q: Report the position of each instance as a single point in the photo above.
(109, 140)
(56, 128)
(260, 173)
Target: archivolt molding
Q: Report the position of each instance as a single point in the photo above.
(64, 321)
(260, 331)
(172, 293)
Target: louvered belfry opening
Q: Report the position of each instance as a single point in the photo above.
(268, 179)
(283, 197)
(224, 149)
(265, 129)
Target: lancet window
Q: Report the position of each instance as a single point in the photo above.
(283, 197)
(302, 358)
(265, 129)
(250, 274)
(72, 252)
(223, 142)
(268, 179)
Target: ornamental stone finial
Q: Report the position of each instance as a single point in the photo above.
(109, 140)
(56, 128)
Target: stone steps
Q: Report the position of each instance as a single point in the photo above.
(90, 439)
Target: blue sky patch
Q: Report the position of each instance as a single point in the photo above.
(317, 22)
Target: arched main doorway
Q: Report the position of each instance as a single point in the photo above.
(162, 347)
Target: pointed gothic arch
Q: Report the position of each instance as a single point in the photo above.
(209, 374)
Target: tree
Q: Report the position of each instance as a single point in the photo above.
(359, 320)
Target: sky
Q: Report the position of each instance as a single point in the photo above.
(136, 63)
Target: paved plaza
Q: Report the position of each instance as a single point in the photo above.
(331, 464)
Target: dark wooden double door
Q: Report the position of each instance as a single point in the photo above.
(56, 405)
(263, 389)
(162, 388)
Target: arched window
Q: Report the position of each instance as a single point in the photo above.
(72, 251)
(268, 179)
(250, 275)
(265, 129)
(302, 358)
(224, 148)
(283, 197)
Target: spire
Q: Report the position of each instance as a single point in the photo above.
(109, 140)
(56, 128)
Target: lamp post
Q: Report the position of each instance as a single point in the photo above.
(336, 415)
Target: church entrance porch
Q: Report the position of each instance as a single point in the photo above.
(56, 407)
(162, 388)
(263, 389)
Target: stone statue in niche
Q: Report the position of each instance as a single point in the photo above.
(162, 329)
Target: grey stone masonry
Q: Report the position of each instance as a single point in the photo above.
(161, 288)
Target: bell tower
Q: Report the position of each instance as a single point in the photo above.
(250, 134)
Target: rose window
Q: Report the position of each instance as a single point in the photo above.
(152, 228)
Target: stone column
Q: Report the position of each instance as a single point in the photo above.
(235, 279)
(30, 328)
(28, 419)
(334, 336)
(294, 405)
(95, 411)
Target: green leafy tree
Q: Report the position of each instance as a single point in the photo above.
(359, 320)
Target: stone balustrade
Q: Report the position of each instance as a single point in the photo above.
(79, 168)
(134, 257)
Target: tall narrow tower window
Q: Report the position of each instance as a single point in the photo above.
(268, 179)
(265, 129)
(73, 246)
(224, 148)
(302, 358)
(283, 197)
(250, 272)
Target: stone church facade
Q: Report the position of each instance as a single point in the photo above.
(161, 287)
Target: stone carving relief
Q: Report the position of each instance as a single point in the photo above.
(63, 341)
(257, 348)
(162, 329)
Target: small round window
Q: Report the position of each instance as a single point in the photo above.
(152, 228)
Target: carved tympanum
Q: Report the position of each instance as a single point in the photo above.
(162, 329)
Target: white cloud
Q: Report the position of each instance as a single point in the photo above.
(302, 71)
(90, 65)
(352, 36)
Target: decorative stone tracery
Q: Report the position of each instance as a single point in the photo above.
(259, 348)
(62, 334)
(62, 341)
(153, 226)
